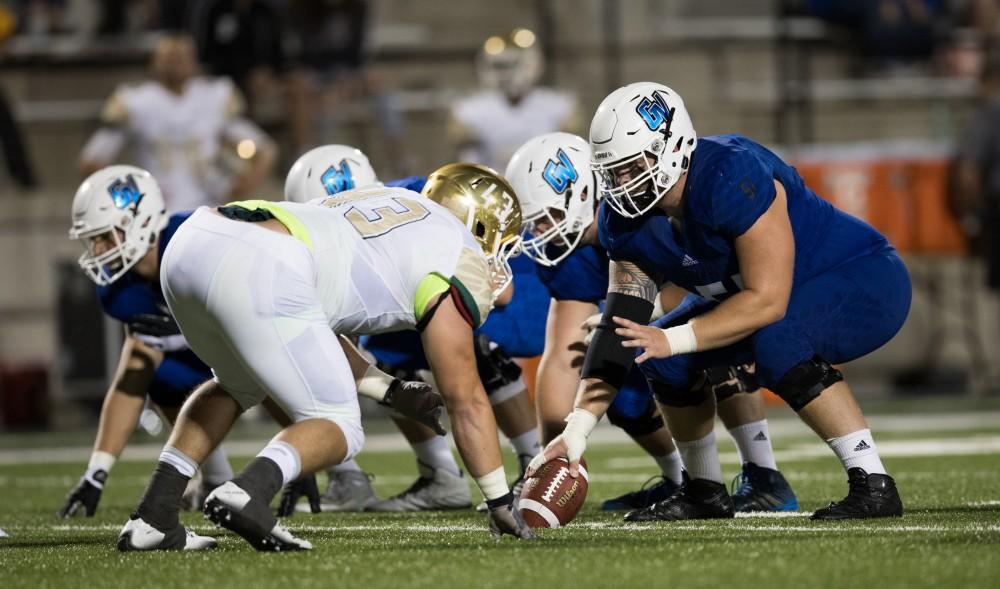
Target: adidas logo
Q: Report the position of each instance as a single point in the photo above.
(862, 445)
(688, 261)
(760, 437)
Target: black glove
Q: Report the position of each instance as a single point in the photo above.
(418, 401)
(505, 518)
(496, 367)
(86, 493)
(294, 491)
(154, 325)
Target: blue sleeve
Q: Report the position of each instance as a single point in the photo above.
(731, 192)
(125, 299)
(633, 240)
(414, 183)
(581, 276)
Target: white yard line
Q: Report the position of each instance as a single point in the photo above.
(781, 427)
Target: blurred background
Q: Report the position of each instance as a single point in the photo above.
(887, 107)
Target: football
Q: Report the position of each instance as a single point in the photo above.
(551, 498)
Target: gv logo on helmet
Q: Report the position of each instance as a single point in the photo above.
(125, 193)
(560, 172)
(653, 111)
(336, 179)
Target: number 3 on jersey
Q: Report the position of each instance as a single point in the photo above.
(373, 221)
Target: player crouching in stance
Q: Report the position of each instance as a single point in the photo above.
(556, 189)
(795, 285)
(119, 215)
(262, 289)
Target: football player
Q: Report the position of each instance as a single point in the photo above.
(261, 290)
(188, 130)
(119, 215)
(489, 125)
(791, 284)
(557, 191)
(329, 170)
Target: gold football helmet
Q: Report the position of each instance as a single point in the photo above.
(485, 202)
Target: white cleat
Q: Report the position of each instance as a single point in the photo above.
(443, 491)
(137, 535)
(233, 508)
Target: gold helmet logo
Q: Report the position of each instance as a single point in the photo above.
(486, 203)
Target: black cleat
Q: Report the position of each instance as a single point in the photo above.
(758, 488)
(660, 489)
(232, 508)
(695, 499)
(869, 496)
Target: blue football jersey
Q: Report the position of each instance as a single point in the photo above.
(130, 296)
(580, 276)
(730, 184)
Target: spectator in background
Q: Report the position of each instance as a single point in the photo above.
(329, 42)
(509, 109)
(241, 39)
(188, 131)
(977, 172)
(12, 142)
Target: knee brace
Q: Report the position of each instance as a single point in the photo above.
(806, 381)
(501, 376)
(636, 425)
(673, 396)
(726, 381)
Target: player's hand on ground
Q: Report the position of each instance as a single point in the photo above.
(86, 494)
(590, 326)
(506, 518)
(418, 401)
(303, 487)
(651, 339)
(567, 445)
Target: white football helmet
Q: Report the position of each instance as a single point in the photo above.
(326, 170)
(511, 64)
(642, 139)
(552, 179)
(118, 212)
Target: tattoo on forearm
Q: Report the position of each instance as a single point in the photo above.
(627, 278)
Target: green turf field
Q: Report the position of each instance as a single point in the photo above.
(950, 536)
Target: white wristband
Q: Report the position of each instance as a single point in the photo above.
(580, 422)
(374, 384)
(681, 339)
(100, 460)
(493, 484)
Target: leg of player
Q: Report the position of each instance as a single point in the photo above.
(691, 417)
(204, 420)
(214, 470)
(760, 486)
(439, 485)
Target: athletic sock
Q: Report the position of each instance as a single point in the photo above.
(753, 442)
(858, 450)
(216, 468)
(261, 478)
(286, 457)
(701, 458)
(435, 454)
(527, 444)
(671, 466)
(161, 501)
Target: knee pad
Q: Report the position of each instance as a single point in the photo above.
(501, 376)
(647, 422)
(805, 381)
(673, 396)
(726, 381)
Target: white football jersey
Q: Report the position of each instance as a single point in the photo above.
(176, 137)
(496, 128)
(374, 248)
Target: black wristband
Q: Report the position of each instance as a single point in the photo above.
(607, 359)
(500, 501)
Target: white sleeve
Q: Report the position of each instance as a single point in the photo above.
(105, 145)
